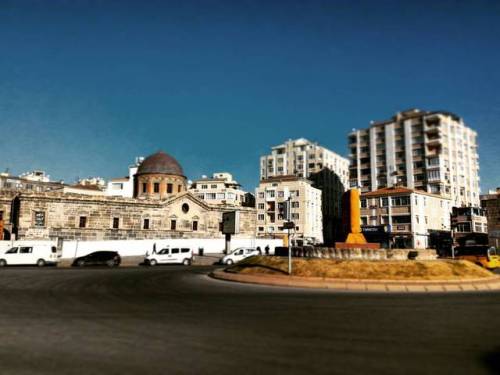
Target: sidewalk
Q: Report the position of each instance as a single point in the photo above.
(381, 286)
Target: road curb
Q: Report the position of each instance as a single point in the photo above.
(379, 286)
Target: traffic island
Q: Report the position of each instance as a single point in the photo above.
(363, 276)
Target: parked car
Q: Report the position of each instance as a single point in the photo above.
(240, 254)
(39, 255)
(175, 255)
(99, 258)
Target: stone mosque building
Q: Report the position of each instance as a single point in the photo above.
(161, 208)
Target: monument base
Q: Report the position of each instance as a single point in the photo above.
(362, 246)
(357, 238)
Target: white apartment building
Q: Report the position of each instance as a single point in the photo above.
(305, 208)
(35, 175)
(408, 214)
(301, 158)
(92, 181)
(124, 186)
(220, 189)
(430, 151)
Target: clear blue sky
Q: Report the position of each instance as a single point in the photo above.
(85, 86)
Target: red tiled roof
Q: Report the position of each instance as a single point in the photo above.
(388, 191)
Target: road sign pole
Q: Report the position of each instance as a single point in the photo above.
(228, 243)
(288, 219)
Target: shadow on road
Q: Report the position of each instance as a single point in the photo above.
(492, 361)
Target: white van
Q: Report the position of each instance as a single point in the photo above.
(240, 254)
(174, 255)
(39, 255)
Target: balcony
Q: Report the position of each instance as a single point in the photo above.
(398, 210)
(434, 141)
(432, 130)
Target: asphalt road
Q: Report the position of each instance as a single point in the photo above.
(175, 320)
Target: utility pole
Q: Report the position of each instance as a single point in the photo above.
(289, 224)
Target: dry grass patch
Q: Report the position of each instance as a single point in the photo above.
(363, 269)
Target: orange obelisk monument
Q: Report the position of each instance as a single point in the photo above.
(351, 223)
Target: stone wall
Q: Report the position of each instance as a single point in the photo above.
(6, 198)
(366, 254)
(62, 213)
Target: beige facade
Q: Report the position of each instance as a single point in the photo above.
(408, 214)
(301, 158)
(305, 208)
(491, 204)
(430, 151)
(67, 216)
(220, 189)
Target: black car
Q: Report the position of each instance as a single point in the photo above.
(98, 258)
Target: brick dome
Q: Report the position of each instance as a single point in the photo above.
(160, 163)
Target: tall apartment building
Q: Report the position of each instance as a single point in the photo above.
(430, 151)
(301, 158)
(305, 208)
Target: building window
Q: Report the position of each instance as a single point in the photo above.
(83, 222)
(39, 218)
(179, 188)
(169, 188)
(213, 186)
(185, 208)
(434, 175)
(400, 201)
(271, 194)
(144, 187)
(295, 204)
(156, 187)
(401, 219)
(195, 226)
(204, 186)
(145, 224)
(385, 202)
(363, 203)
(173, 224)
(116, 223)
(210, 196)
(261, 217)
(1, 215)
(295, 216)
(261, 206)
(261, 229)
